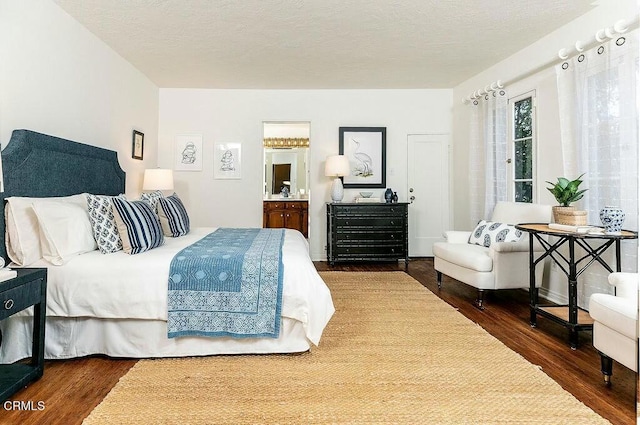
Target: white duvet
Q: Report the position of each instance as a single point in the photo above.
(122, 286)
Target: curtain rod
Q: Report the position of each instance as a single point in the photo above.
(620, 27)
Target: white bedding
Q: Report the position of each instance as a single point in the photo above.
(125, 288)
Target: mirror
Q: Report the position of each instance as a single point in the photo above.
(286, 152)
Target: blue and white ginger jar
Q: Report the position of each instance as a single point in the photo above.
(612, 219)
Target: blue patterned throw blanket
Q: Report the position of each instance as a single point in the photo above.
(229, 283)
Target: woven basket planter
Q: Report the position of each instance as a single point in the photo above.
(569, 216)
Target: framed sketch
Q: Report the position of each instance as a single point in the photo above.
(188, 152)
(366, 149)
(137, 148)
(227, 161)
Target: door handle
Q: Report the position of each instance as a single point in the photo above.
(411, 189)
(412, 198)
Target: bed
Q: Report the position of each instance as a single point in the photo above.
(116, 304)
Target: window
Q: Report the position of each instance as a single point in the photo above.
(521, 149)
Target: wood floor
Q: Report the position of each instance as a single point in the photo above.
(70, 389)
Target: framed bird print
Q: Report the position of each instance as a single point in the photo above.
(366, 149)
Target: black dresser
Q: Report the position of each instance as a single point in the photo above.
(367, 232)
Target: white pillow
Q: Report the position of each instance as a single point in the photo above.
(488, 232)
(22, 230)
(65, 230)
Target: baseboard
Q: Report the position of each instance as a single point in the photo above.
(553, 296)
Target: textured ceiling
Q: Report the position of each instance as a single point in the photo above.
(320, 44)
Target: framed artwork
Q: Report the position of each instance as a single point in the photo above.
(188, 152)
(366, 149)
(137, 148)
(227, 161)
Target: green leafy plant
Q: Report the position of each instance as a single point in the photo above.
(566, 191)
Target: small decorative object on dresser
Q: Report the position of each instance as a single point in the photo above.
(28, 289)
(612, 218)
(367, 232)
(388, 195)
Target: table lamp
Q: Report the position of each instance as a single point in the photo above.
(336, 166)
(158, 179)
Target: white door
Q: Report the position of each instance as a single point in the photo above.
(428, 178)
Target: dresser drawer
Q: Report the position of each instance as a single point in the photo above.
(296, 205)
(271, 205)
(16, 299)
(370, 222)
(369, 251)
(379, 210)
(370, 236)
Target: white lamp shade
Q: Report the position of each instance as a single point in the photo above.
(336, 166)
(158, 179)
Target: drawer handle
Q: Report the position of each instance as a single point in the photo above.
(8, 304)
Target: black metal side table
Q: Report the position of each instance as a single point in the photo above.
(29, 288)
(570, 315)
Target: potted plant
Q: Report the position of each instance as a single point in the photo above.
(567, 192)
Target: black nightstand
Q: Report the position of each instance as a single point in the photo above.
(29, 288)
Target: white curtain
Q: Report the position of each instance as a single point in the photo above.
(487, 154)
(599, 135)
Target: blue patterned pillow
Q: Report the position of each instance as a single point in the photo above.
(138, 226)
(173, 216)
(488, 232)
(103, 223)
(152, 198)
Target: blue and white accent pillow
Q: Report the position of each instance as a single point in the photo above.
(488, 232)
(103, 223)
(173, 216)
(138, 225)
(152, 198)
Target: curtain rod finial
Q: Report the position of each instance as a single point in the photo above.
(621, 26)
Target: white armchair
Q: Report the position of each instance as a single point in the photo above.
(615, 326)
(502, 265)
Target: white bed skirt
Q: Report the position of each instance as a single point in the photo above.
(77, 337)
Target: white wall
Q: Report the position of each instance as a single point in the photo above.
(549, 162)
(58, 78)
(224, 116)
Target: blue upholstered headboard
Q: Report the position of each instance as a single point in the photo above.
(37, 165)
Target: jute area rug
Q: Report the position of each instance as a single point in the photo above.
(393, 353)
